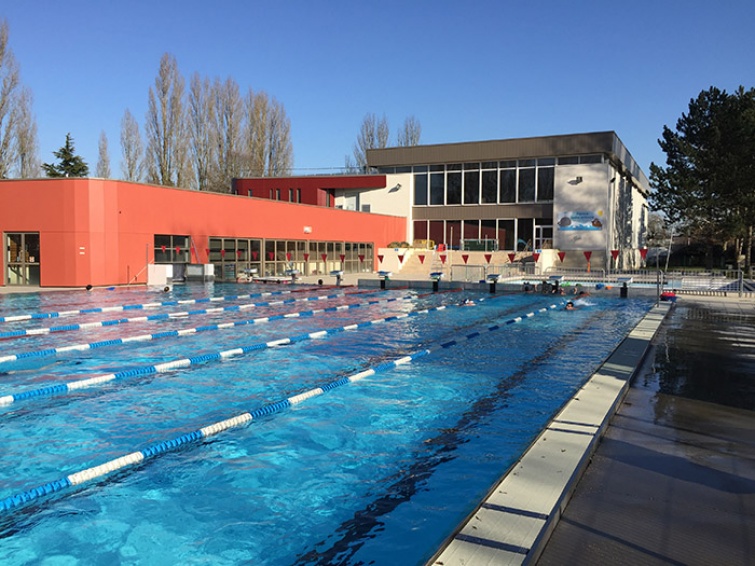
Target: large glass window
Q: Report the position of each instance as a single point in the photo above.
(471, 187)
(507, 234)
(524, 234)
(489, 187)
(545, 177)
(453, 233)
(526, 184)
(172, 248)
(471, 230)
(508, 186)
(453, 187)
(487, 230)
(437, 188)
(420, 229)
(436, 232)
(420, 189)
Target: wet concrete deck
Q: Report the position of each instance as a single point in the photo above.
(673, 480)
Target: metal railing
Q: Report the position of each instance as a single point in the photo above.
(715, 282)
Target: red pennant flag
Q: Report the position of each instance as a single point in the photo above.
(162, 248)
(238, 253)
(643, 253)
(380, 258)
(615, 254)
(254, 255)
(588, 255)
(561, 256)
(421, 258)
(512, 257)
(535, 256)
(288, 256)
(207, 251)
(306, 257)
(361, 258)
(400, 259)
(343, 257)
(178, 249)
(324, 257)
(465, 257)
(443, 258)
(222, 253)
(488, 257)
(270, 255)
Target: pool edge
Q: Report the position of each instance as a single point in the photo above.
(514, 522)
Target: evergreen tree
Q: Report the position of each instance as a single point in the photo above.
(70, 164)
(707, 183)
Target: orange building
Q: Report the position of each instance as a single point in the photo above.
(76, 232)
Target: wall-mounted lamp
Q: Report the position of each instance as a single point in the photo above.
(308, 229)
(576, 181)
(394, 189)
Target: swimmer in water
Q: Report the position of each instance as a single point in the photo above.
(569, 306)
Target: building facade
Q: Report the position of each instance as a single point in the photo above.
(78, 232)
(580, 194)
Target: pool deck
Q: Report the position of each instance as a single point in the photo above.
(608, 483)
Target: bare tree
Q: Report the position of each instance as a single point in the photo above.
(131, 148)
(227, 124)
(280, 151)
(255, 133)
(201, 136)
(9, 86)
(27, 144)
(373, 134)
(267, 147)
(410, 132)
(103, 159)
(166, 155)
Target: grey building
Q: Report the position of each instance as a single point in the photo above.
(571, 193)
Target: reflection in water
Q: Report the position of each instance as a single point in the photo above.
(707, 356)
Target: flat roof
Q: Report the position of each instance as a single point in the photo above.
(515, 148)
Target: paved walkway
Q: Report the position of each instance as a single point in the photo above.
(673, 480)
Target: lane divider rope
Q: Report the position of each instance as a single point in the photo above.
(190, 331)
(166, 316)
(160, 448)
(173, 365)
(142, 306)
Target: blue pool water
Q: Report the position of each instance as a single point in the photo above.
(374, 472)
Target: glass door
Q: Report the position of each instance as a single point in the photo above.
(22, 258)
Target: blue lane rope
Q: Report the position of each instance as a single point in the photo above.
(193, 437)
(143, 306)
(166, 316)
(173, 365)
(190, 331)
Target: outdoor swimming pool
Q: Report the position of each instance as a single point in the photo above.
(378, 471)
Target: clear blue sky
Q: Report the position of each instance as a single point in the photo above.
(467, 71)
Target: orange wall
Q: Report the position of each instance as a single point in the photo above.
(101, 232)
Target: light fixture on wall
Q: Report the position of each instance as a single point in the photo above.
(576, 181)
(394, 189)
